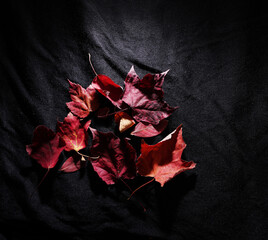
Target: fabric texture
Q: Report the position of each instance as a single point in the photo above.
(217, 55)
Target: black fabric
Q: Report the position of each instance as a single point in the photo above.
(217, 55)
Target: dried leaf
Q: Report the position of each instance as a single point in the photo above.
(108, 88)
(84, 101)
(149, 130)
(163, 160)
(145, 97)
(73, 164)
(73, 132)
(46, 147)
(115, 157)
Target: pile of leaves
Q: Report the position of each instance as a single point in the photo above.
(139, 108)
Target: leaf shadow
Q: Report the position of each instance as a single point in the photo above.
(118, 192)
(41, 187)
(45, 189)
(170, 196)
(97, 186)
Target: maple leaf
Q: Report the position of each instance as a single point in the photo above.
(46, 147)
(124, 120)
(84, 101)
(149, 130)
(73, 132)
(115, 157)
(145, 97)
(108, 88)
(73, 164)
(162, 161)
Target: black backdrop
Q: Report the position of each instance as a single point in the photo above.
(217, 56)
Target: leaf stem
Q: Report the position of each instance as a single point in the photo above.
(83, 155)
(89, 58)
(126, 184)
(140, 188)
(110, 114)
(144, 209)
(43, 178)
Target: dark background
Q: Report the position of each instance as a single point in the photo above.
(218, 60)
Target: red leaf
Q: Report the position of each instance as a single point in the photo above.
(108, 88)
(149, 130)
(145, 97)
(72, 164)
(84, 101)
(163, 160)
(46, 147)
(73, 132)
(116, 157)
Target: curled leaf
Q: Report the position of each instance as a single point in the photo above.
(108, 88)
(115, 158)
(46, 147)
(163, 160)
(124, 120)
(73, 132)
(84, 101)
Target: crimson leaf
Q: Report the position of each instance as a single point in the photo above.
(73, 132)
(163, 160)
(73, 164)
(108, 88)
(115, 157)
(46, 147)
(145, 97)
(148, 129)
(84, 101)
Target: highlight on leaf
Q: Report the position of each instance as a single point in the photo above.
(74, 132)
(124, 121)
